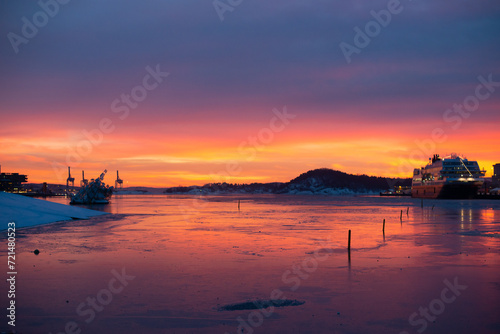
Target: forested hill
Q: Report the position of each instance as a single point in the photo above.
(318, 181)
(328, 178)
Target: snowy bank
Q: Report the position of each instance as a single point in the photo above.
(26, 211)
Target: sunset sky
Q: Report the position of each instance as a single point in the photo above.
(218, 114)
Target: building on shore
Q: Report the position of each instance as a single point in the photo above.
(496, 171)
(495, 179)
(12, 182)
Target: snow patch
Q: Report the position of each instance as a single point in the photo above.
(27, 212)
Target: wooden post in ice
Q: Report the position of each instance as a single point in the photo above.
(349, 242)
(238, 205)
(407, 210)
(401, 215)
(383, 227)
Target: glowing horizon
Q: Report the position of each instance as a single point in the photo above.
(206, 160)
(168, 108)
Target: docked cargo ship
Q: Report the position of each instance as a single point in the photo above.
(96, 192)
(450, 177)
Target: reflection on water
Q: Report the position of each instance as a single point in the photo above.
(190, 255)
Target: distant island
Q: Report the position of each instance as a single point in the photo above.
(319, 181)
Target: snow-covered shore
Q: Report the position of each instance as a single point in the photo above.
(26, 211)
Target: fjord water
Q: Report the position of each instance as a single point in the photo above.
(165, 264)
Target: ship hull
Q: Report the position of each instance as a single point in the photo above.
(459, 190)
